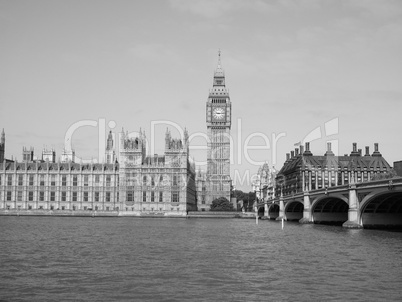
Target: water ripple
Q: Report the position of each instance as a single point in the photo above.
(62, 258)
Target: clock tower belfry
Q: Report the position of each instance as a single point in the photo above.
(218, 118)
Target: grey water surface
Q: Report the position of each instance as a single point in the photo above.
(133, 259)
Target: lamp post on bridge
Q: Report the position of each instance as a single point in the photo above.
(256, 206)
(255, 199)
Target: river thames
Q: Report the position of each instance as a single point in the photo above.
(133, 259)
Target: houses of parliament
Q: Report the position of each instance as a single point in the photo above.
(131, 182)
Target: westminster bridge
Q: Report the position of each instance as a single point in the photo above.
(356, 205)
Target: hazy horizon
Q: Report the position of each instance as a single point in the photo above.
(291, 67)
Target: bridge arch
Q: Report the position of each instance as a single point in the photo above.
(382, 210)
(294, 210)
(273, 211)
(330, 209)
(261, 210)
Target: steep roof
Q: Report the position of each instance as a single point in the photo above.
(355, 162)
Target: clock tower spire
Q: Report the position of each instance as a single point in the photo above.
(218, 119)
(219, 75)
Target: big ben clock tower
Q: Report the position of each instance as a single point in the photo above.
(218, 118)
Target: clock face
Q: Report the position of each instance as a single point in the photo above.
(219, 113)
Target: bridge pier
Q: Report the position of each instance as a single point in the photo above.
(354, 209)
(281, 209)
(307, 217)
(266, 210)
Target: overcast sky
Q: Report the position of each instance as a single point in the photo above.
(291, 66)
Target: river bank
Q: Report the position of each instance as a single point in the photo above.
(83, 213)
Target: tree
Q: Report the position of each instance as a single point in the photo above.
(237, 194)
(221, 204)
(247, 198)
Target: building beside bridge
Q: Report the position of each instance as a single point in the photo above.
(303, 171)
(355, 190)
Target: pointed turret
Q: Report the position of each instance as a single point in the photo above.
(2, 146)
(167, 139)
(109, 143)
(185, 141)
(110, 155)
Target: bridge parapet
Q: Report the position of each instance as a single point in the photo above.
(344, 188)
(345, 204)
(330, 190)
(380, 183)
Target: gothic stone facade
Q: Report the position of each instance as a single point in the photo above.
(164, 184)
(138, 185)
(264, 185)
(59, 186)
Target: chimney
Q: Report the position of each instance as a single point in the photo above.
(287, 156)
(307, 152)
(367, 151)
(398, 167)
(360, 152)
(292, 153)
(329, 151)
(301, 150)
(376, 152)
(296, 151)
(354, 152)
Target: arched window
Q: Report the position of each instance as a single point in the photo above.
(144, 180)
